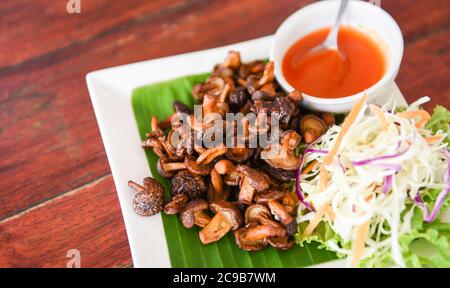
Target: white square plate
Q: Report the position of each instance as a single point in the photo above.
(111, 90)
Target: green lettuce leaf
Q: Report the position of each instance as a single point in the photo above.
(427, 245)
(440, 121)
(321, 235)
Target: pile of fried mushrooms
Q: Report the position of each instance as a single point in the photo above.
(221, 189)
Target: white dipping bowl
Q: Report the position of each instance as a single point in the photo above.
(368, 18)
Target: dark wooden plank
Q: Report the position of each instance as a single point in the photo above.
(48, 133)
(200, 25)
(88, 219)
(41, 26)
(424, 71)
(418, 19)
(100, 17)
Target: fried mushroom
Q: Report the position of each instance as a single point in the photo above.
(260, 214)
(180, 107)
(238, 98)
(150, 198)
(196, 168)
(270, 194)
(228, 170)
(281, 155)
(217, 190)
(168, 169)
(176, 204)
(227, 217)
(268, 74)
(328, 118)
(281, 243)
(210, 154)
(252, 180)
(193, 213)
(239, 154)
(277, 173)
(233, 60)
(245, 244)
(283, 216)
(312, 127)
(185, 182)
(252, 68)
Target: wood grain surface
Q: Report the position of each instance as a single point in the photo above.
(56, 188)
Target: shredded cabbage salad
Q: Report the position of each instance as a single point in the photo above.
(385, 187)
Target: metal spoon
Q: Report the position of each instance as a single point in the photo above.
(331, 42)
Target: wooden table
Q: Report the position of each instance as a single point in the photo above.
(56, 188)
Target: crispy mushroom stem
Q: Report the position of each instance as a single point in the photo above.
(174, 166)
(154, 124)
(212, 105)
(233, 60)
(252, 180)
(268, 75)
(214, 196)
(216, 181)
(167, 169)
(247, 191)
(136, 187)
(227, 217)
(209, 155)
(216, 228)
(201, 219)
(152, 143)
(255, 67)
(199, 149)
(156, 139)
(224, 95)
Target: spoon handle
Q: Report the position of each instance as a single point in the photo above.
(331, 40)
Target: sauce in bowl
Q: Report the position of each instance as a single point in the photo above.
(325, 74)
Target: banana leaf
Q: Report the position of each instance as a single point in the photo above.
(185, 248)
